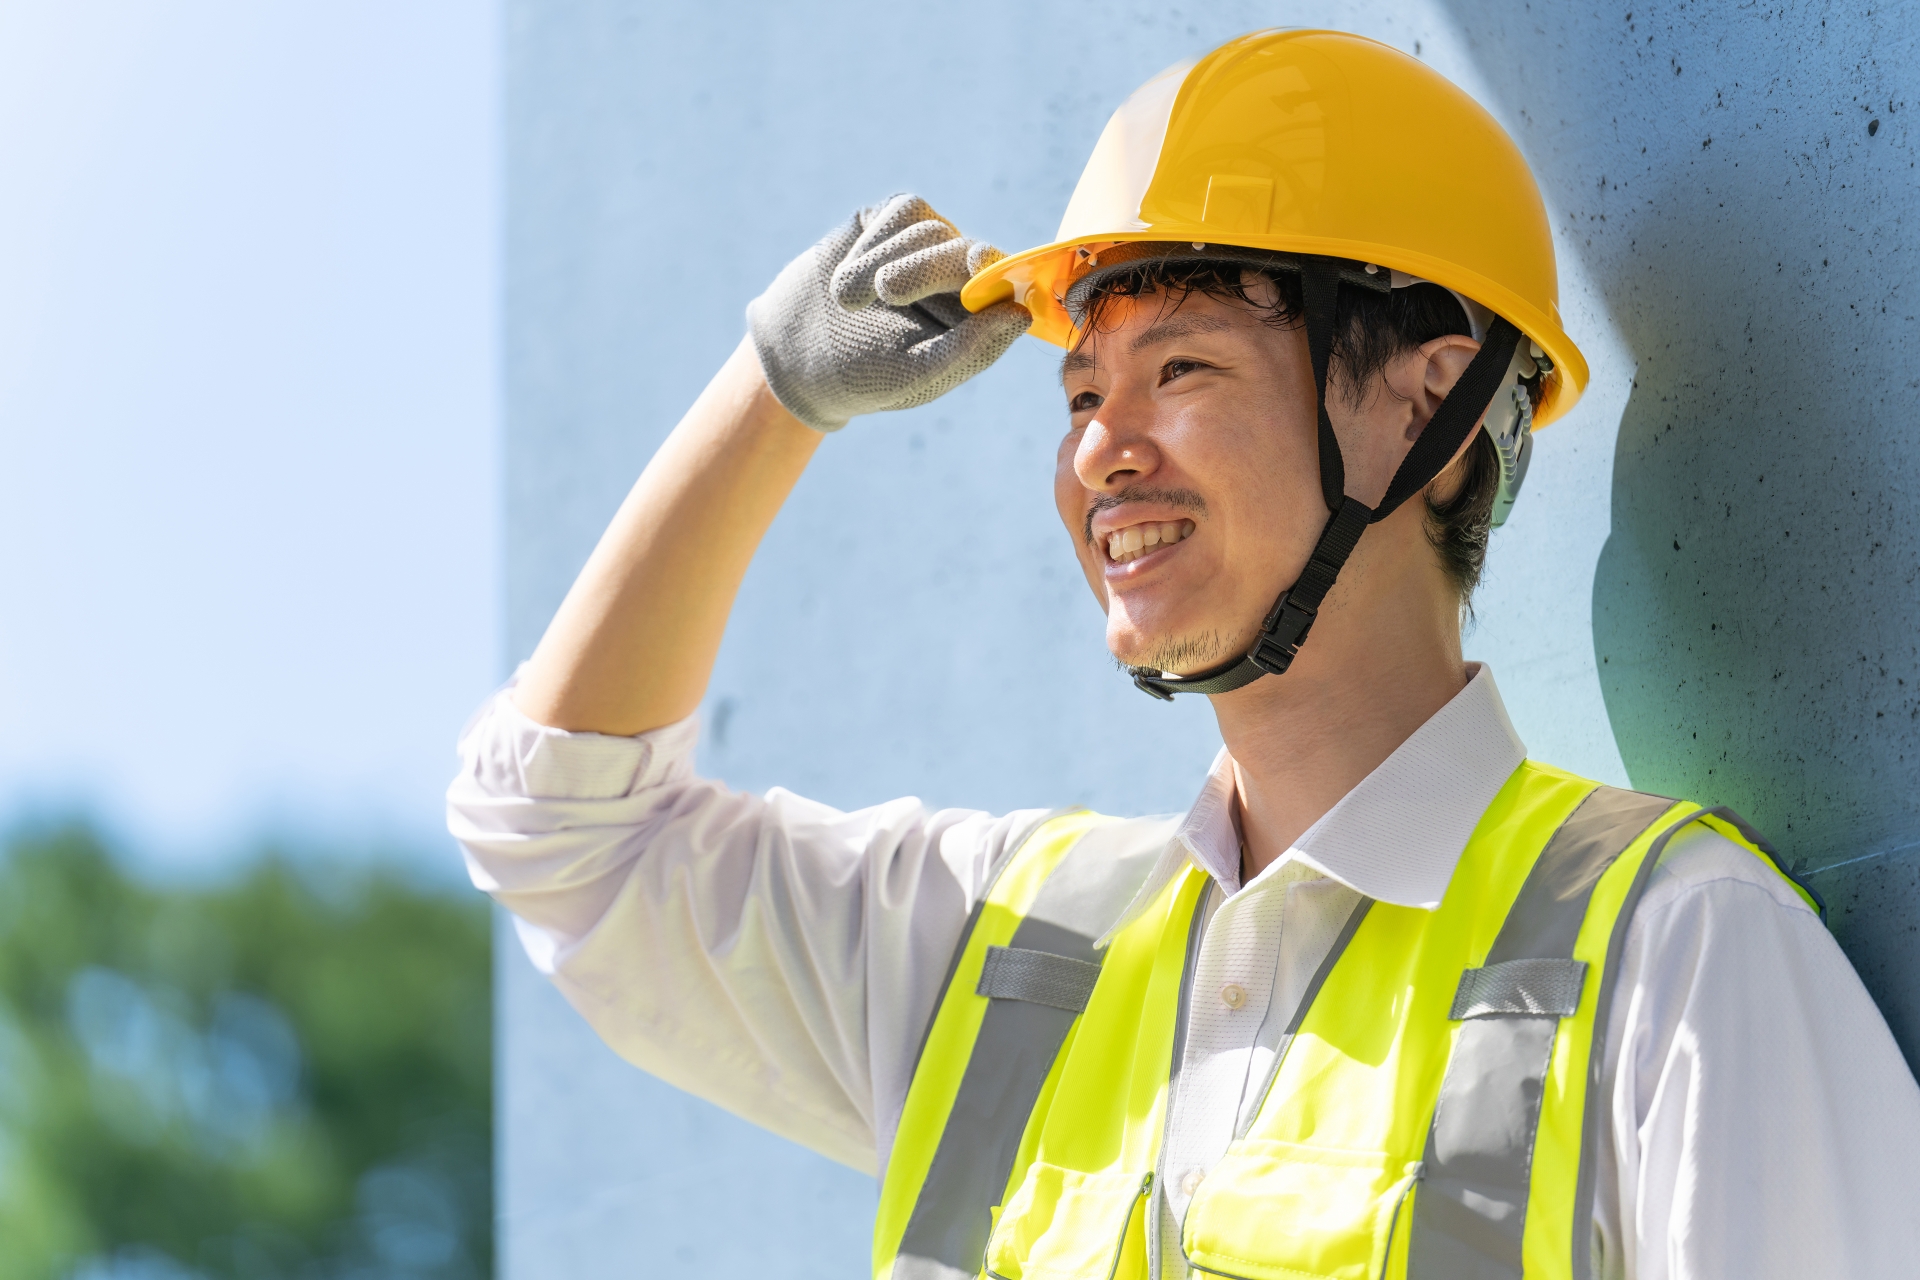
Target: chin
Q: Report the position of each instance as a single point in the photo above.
(1182, 651)
(1130, 644)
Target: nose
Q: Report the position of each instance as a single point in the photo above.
(1117, 448)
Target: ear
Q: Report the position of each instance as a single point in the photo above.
(1423, 377)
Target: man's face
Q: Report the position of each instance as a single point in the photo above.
(1192, 440)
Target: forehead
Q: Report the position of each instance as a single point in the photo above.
(1130, 326)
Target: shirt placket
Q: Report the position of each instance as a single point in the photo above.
(1227, 1003)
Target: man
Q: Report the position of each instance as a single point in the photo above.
(1390, 999)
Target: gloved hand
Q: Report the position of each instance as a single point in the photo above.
(870, 318)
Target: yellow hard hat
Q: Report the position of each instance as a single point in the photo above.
(1320, 143)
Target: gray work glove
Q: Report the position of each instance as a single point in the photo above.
(870, 318)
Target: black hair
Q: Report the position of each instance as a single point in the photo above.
(1370, 330)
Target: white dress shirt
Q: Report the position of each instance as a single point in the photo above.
(782, 959)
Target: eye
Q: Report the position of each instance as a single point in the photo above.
(1085, 402)
(1178, 369)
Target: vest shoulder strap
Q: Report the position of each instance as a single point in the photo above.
(1479, 1165)
(1477, 1171)
(1033, 987)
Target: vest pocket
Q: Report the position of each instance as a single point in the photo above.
(1063, 1224)
(1275, 1210)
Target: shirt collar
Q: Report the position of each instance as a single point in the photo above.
(1397, 836)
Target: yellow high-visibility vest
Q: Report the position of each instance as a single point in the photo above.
(1432, 1112)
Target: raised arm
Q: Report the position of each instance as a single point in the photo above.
(633, 643)
(775, 956)
(868, 319)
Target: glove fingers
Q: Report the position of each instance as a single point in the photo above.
(948, 359)
(852, 283)
(980, 256)
(890, 217)
(941, 268)
(944, 267)
(945, 308)
(829, 354)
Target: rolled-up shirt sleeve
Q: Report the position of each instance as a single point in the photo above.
(773, 955)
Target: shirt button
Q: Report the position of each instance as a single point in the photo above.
(1233, 995)
(1190, 1182)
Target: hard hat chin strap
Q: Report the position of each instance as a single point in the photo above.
(1287, 623)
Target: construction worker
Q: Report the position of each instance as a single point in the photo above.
(1391, 999)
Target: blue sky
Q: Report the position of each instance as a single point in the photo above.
(248, 459)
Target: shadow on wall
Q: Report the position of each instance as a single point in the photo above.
(1755, 607)
(1739, 190)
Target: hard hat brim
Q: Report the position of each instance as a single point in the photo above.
(1038, 279)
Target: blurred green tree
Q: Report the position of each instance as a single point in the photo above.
(284, 1075)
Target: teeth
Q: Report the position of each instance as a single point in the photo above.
(1133, 542)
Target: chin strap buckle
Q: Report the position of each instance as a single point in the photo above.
(1285, 629)
(1152, 683)
(1280, 640)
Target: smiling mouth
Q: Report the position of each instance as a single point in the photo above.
(1137, 540)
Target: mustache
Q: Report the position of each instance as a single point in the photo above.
(1180, 499)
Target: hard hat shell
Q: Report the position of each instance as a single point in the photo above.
(1312, 142)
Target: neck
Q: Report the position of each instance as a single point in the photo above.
(1376, 667)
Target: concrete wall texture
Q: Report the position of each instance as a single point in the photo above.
(1708, 590)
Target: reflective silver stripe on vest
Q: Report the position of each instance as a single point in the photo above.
(1522, 987)
(1040, 977)
(946, 1235)
(1470, 1213)
(1000, 865)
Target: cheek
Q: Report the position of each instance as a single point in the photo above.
(1260, 474)
(1070, 500)
(1068, 495)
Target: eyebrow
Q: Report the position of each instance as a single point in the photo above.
(1174, 326)
(1178, 326)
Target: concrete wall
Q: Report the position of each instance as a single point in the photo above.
(1707, 590)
